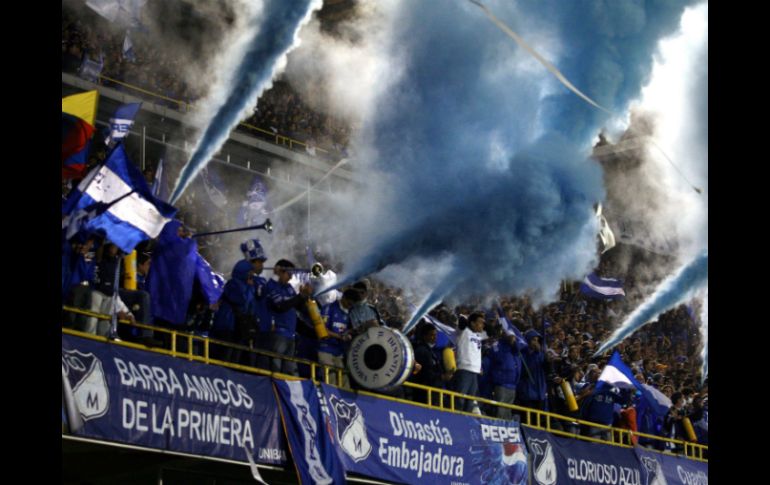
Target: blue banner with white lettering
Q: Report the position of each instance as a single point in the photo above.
(119, 394)
(562, 460)
(660, 469)
(411, 444)
(309, 433)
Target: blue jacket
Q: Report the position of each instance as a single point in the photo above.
(260, 297)
(337, 321)
(532, 385)
(173, 270)
(76, 268)
(238, 297)
(506, 364)
(282, 301)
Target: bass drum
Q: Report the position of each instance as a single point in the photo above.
(380, 359)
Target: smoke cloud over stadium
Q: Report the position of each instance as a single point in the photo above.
(675, 104)
(258, 54)
(475, 150)
(704, 318)
(674, 290)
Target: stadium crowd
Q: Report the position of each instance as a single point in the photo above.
(526, 367)
(509, 351)
(96, 52)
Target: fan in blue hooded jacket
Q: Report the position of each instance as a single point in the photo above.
(255, 254)
(505, 357)
(531, 391)
(283, 301)
(170, 280)
(236, 319)
(175, 267)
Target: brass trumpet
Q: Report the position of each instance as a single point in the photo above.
(267, 226)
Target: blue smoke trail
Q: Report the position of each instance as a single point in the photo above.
(482, 163)
(704, 317)
(435, 297)
(275, 33)
(669, 294)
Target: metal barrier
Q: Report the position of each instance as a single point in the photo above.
(535, 418)
(185, 107)
(181, 105)
(316, 368)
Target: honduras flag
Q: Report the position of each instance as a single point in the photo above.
(121, 122)
(446, 334)
(159, 191)
(128, 49)
(602, 288)
(123, 12)
(617, 374)
(118, 203)
(508, 327)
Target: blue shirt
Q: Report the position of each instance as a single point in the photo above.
(506, 364)
(337, 321)
(600, 407)
(278, 295)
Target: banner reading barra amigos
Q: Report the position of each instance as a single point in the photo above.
(120, 394)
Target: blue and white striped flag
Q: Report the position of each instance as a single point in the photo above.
(214, 188)
(123, 12)
(121, 122)
(450, 332)
(118, 203)
(157, 183)
(602, 288)
(90, 70)
(128, 49)
(508, 327)
(616, 373)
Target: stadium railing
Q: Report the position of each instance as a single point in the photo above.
(445, 401)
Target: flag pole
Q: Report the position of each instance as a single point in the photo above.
(113, 333)
(99, 207)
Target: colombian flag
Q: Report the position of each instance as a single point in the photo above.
(78, 115)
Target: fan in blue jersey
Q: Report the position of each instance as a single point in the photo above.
(332, 348)
(283, 303)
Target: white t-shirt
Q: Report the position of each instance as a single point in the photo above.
(469, 350)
